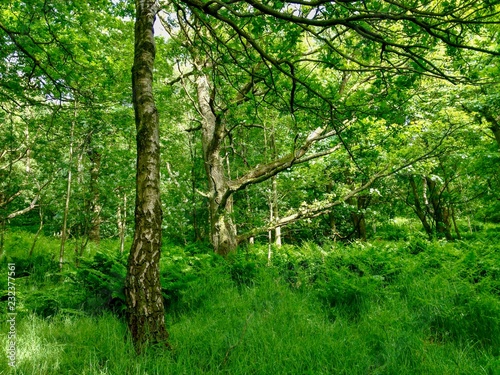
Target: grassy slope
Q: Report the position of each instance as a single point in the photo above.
(409, 307)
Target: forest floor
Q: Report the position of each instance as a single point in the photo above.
(404, 306)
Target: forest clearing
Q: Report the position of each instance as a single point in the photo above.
(250, 187)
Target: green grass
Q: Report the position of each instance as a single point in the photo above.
(367, 308)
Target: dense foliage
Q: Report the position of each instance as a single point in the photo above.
(305, 186)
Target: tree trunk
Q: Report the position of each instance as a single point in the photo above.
(94, 234)
(2, 234)
(273, 204)
(450, 209)
(496, 132)
(417, 207)
(360, 222)
(274, 193)
(28, 150)
(122, 222)
(358, 217)
(270, 235)
(440, 216)
(145, 314)
(494, 125)
(454, 220)
(194, 194)
(64, 234)
(223, 233)
(222, 229)
(250, 213)
(40, 227)
(221, 188)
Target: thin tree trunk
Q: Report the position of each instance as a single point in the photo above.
(358, 217)
(278, 241)
(2, 234)
(362, 202)
(94, 234)
(274, 192)
(451, 208)
(28, 150)
(273, 199)
(80, 245)
(424, 192)
(37, 232)
(331, 216)
(122, 222)
(270, 235)
(146, 313)
(251, 240)
(79, 169)
(68, 196)
(194, 194)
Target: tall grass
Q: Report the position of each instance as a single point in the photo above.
(384, 308)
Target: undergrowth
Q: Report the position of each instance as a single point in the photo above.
(398, 307)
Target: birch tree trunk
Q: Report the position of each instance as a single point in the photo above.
(274, 192)
(145, 313)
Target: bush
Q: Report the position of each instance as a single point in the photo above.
(103, 279)
(187, 279)
(243, 269)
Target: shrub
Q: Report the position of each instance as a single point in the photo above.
(103, 279)
(243, 269)
(187, 279)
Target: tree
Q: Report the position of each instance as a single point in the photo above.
(146, 315)
(321, 74)
(387, 46)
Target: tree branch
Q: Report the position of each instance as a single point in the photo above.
(263, 172)
(311, 210)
